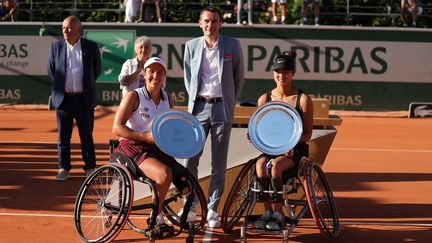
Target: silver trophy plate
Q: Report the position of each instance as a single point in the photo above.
(178, 134)
(275, 128)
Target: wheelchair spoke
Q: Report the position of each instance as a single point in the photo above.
(103, 204)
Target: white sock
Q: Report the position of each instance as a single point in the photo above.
(275, 18)
(283, 18)
(316, 20)
(160, 219)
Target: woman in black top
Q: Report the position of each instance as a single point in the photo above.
(283, 72)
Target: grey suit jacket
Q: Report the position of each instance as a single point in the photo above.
(91, 70)
(231, 71)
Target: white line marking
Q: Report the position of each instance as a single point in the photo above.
(384, 223)
(37, 215)
(30, 142)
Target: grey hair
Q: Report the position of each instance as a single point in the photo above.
(144, 40)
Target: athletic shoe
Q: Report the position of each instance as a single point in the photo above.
(263, 220)
(62, 175)
(277, 222)
(213, 219)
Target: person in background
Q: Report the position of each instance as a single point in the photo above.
(8, 10)
(142, 17)
(213, 77)
(74, 64)
(282, 4)
(131, 10)
(283, 71)
(132, 124)
(316, 7)
(411, 6)
(131, 76)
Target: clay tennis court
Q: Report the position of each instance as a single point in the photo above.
(379, 168)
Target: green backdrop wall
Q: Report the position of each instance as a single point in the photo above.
(356, 68)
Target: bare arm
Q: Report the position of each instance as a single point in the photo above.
(307, 107)
(124, 112)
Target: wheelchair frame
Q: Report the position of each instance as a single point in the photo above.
(106, 200)
(310, 183)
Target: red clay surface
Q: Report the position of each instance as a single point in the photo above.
(380, 170)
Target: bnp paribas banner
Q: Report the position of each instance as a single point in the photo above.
(363, 70)
(114, 47)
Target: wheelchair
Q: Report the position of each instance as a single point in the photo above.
(305, 189)
(106, 202)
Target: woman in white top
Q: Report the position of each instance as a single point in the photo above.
(130, 76)
(132, 124)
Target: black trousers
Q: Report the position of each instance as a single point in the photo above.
(74, 108)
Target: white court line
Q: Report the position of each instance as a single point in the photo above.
(38, 215)
(208, 232)
(335, 149)
(31, 142)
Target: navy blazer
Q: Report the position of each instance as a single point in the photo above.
(91, 69)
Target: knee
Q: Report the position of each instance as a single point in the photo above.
(260, 166)
(164, 176)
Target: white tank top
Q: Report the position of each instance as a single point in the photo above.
(147, 109)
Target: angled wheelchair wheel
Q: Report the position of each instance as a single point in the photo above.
(175, 202)
(103, 204)
(321, 201)
(239, 197)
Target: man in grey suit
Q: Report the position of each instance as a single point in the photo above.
(74, 65)
(213, 76)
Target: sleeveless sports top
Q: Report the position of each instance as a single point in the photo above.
(147, 109)
(297, 107)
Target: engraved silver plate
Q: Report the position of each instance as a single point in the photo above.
(178, 134)
(275, 128)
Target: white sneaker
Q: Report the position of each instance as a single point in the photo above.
(191, 217)
(213, 219)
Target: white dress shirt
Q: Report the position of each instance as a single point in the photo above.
(130, 66)
(74, 68)
(210, 86)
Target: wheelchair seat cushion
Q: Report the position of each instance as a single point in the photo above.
(126, 161)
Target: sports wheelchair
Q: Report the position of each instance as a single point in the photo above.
(107, 201)
(306, 189)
